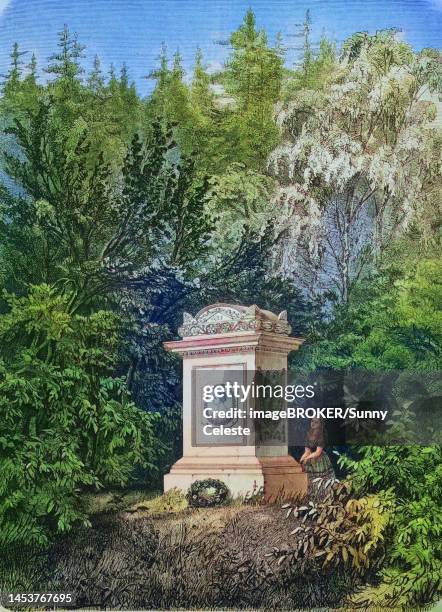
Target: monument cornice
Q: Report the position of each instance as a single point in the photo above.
(239, 342)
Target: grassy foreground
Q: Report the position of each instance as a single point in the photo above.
(145, 552)
(151, 551)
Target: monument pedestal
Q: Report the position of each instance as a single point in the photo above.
(241, 340)
(280, 477)
(240, 474)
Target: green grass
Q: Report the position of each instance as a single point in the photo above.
(171, 502)
(115, 500)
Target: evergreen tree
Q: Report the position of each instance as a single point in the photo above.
(66, 63)
(254, 70)
(128, 91)
(307, 55)
(178, 106)
(124, 78)
(200, 92)
(171, 103)
(161, 76)
(85, 234)
(112, 75)
(13, 77)
(253, 77)
(177, 66)
(316, 70)
(20, 87)
(95, 79)
(32, 70)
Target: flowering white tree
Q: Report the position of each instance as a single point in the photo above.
(358, 163)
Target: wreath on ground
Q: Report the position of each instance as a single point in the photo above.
(207, 493)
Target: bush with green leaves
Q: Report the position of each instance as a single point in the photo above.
(394, 323)
(66, 423)
(411, 478)
(342, 531)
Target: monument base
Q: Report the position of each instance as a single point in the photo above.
(281, 477)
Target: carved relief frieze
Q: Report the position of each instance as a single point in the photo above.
(227, 318)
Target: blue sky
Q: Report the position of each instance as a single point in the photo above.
(132, 31)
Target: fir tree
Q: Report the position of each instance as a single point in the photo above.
(253, 77)
(112, 74)
(113, 85)
(124, 77)
(307, 49)
(66, 63)
(13, 77)
(32, 69)
(177, 68)
(202, 97)
(161, 73)
(254, 70)
(95, 78)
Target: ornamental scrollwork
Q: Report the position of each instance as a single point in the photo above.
(229, 318)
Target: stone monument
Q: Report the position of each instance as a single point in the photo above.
(240, 339)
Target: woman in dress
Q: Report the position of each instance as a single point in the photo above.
(316, 462)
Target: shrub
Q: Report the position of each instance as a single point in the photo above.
(66, 423)
(411, 477)
(339, 531)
